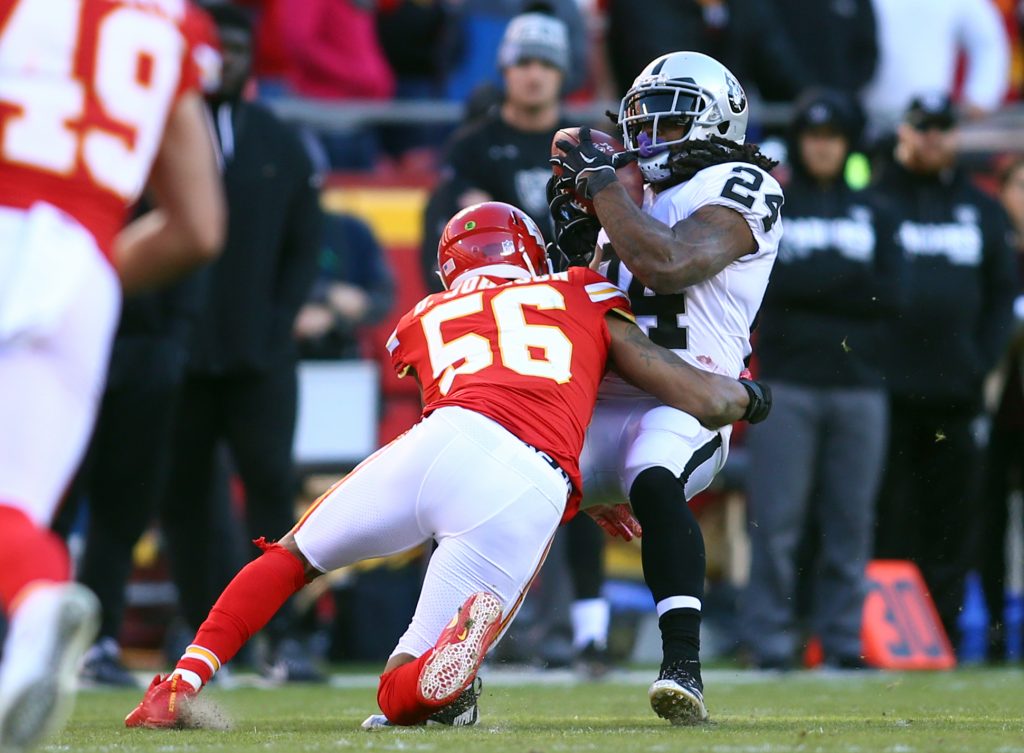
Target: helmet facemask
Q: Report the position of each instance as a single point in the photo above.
(667, 91)
(653, 107)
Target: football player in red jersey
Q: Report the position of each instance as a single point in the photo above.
(97, 100)
(509, 359)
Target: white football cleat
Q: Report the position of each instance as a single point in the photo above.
(46, 639)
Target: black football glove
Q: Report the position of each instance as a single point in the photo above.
(575, 230)
(760, 404)
(589, 167)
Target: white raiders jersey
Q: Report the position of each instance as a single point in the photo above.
(707, 324)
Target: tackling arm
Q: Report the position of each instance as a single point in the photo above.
(668, 259)
(714, 400)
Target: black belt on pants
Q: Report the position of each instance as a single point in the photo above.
(554, 464)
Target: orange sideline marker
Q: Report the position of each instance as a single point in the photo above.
(901, 628)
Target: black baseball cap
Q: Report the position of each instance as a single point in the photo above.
(931, 111)
(826, 109)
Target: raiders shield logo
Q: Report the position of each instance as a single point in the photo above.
(737, 99)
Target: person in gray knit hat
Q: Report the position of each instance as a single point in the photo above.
(535, 36)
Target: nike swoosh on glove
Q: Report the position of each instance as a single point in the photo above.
(590, 168)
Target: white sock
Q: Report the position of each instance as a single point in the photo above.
(190, 677)
(590, 619)
(677, 602)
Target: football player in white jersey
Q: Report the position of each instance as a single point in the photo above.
(695, 260)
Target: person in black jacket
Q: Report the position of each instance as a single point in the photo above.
(835, 284)
(241, 387)
(952, 331)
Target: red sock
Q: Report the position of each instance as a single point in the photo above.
(28, 553)
(397, 697)
(247, 604)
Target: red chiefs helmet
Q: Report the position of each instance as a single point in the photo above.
(492, 238)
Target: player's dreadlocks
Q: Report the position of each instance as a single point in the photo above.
(695, 155)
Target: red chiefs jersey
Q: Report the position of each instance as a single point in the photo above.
(528, 354)
(86, 87)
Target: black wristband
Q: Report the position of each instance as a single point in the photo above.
(760, 404)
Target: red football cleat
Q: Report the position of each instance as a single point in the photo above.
(165, 704)
(460, 650)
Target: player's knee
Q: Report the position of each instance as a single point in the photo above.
(666, 437)
(287, 542)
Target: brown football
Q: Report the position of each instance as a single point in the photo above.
(629, 175)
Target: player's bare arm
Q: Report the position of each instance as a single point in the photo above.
(714, 400)
(187, 227)
(668, 259)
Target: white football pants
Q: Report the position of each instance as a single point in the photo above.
(59, 306)
(490, 501)
(630, 434)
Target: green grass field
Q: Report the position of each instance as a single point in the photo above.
(968, 710)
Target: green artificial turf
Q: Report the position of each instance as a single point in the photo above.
(967, 710)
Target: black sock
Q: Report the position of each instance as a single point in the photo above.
(673, 557)
(680, 635)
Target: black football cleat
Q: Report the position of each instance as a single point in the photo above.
(678, 693)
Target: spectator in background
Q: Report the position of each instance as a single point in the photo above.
(412, 34)
(323, 49)
(951, 333)
(354, 288)
(327, 50)
(834, 285)
(834, 40)
(240, 386)
(919, 42)
(503, 156)
(477, 27)
(1004, 467)
(745, 35)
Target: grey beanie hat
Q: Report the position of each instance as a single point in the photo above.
(538, 36)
